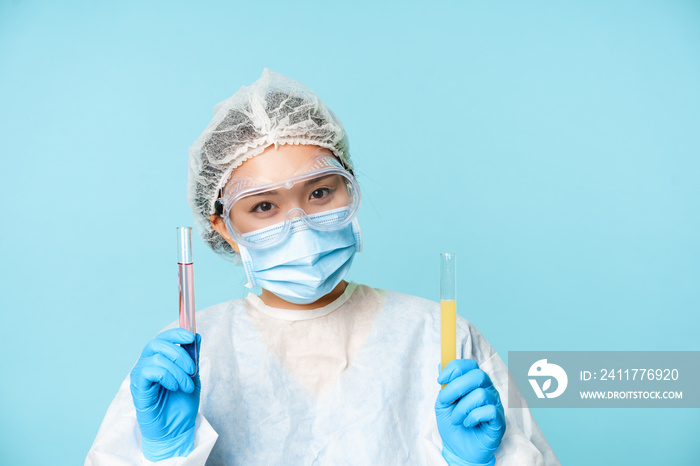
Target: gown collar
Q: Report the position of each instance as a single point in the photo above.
(301, 314)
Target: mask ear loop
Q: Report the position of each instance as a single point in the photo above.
(357, 232)
(247, 266)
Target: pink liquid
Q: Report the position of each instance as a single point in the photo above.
(186, 286)
(185, 273)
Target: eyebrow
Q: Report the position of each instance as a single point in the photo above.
(320, 178)
(274, 192)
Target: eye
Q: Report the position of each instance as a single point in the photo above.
(320, 193)
(263, 207)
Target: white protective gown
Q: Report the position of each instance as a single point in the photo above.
(351, 383)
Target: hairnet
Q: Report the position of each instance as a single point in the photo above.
(274, 110)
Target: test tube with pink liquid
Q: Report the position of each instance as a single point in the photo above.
(185, 272)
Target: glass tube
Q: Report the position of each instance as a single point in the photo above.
(185, 272)
(448, 307)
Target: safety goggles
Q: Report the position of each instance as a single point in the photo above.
(321, 194)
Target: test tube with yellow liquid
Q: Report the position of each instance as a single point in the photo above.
(448, 307)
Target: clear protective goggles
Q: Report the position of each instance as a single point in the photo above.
(321, 194)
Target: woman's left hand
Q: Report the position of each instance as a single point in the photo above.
(469, 414)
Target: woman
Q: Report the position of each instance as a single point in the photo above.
(315, 370)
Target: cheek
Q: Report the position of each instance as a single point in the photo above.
(342, 197)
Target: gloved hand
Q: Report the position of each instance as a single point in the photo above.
(166, 396)
(472, 427)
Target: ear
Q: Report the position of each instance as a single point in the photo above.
(218, 224)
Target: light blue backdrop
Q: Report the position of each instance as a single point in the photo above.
(553, 146)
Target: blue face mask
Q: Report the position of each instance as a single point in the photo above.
(307, 265)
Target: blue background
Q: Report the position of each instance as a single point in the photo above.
(554, 146)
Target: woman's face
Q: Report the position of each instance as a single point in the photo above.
(271, 207)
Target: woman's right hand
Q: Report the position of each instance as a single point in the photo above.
(166, 396)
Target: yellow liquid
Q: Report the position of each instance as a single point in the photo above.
(448, 331)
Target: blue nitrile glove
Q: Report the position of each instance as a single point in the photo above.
(472, 427)
(166, 396)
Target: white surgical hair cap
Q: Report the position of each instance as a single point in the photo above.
(274, 110)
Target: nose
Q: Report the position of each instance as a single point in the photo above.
(295, 212)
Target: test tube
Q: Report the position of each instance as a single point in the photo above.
(185, 272)
(448, 308)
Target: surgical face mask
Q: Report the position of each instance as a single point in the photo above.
(320, 186)
(308, 263)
